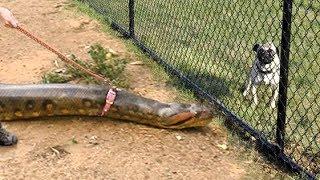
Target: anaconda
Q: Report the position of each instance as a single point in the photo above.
(31, 101)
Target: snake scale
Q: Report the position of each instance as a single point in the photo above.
(30, 101)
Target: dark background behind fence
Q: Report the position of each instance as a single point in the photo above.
(208, 44)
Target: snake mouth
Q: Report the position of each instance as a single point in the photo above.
(190, 119)
(182, 122)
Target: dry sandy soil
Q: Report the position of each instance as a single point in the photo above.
(83, 148)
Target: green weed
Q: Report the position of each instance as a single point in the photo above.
(103, 62)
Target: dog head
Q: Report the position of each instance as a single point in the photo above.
(265, 52)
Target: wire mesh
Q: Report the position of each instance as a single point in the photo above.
(303, 112)
(112, 10)
(211, 43)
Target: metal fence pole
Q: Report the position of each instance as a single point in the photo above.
(284, 56)
(131, 18)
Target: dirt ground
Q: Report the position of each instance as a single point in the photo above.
(83, 148)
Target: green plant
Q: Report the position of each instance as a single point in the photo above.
(103, 61)
(53, 77)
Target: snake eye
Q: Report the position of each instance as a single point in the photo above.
(2, 107)
(30, 104)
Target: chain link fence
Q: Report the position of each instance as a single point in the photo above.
(209, 46)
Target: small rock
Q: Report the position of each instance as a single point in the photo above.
(179, 138)
(223, 146)
(93, 138)
(113, 52)
(272, 175)
(75, 24)
(85, 21)
(87, 47)
(253, 138)
(58, 5)
(203, 148)
(137, 63)
(60, 70)
(108, 55)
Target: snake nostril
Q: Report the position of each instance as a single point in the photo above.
(206, 114)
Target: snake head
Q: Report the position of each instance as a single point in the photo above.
(182, 116)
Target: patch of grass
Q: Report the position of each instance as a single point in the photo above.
(52, 77)
(102, 17)
(103, 62)
(84, 7)
(75, 73)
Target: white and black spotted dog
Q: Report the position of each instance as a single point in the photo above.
(265, 69)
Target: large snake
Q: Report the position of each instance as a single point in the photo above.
(31, 101)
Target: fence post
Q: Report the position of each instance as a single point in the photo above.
(131, 18)
(283, 85)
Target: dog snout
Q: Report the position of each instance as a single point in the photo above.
(265, 56)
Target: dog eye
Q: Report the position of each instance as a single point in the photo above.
(270, 51)
(260, 51)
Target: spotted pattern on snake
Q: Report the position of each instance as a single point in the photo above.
(30, 101)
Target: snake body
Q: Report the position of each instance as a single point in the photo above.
(31, 101)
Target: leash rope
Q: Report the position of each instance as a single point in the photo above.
(63, 57)
(110, 95)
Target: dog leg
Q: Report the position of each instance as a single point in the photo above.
(274, 97)
(254, 93)
(246, 91)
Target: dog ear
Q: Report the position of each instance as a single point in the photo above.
(255, 47)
